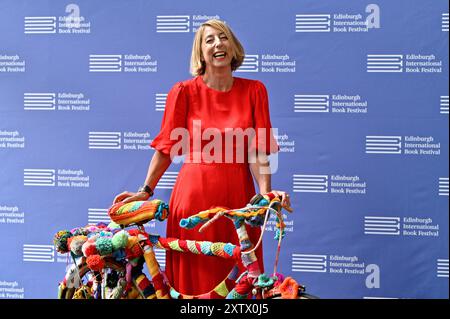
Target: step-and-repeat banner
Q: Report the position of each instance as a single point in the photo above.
(358, 92)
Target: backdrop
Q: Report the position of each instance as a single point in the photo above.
(358, 92)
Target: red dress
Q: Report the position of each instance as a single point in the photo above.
(205, 183)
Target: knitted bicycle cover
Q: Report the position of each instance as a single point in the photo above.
(138, 212)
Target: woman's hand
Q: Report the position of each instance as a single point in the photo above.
(285, 198)
(127, 197)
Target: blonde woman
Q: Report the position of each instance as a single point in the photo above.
(199, 114)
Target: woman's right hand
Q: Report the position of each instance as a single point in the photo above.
(127, 197)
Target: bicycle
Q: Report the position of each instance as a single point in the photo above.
(108, 260)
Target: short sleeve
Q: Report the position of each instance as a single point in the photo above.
(175, 114)
(264, 141)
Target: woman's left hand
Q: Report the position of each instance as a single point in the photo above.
(285, 198)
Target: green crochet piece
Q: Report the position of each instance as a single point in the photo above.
(264, 281)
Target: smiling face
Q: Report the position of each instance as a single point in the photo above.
(217, 51)
(215, 46)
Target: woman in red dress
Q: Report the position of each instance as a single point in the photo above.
(201, 116)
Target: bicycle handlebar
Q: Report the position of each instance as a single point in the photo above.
(272, 196)
(258, 206)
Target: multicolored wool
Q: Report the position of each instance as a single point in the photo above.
(138, 212)
(224, 250)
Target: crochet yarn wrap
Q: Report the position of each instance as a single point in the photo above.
(138, 212)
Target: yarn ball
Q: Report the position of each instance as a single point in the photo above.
(104, 246)
(76, 244)
(95, 262)
(120, 240)
(60, 241)
(89, 248)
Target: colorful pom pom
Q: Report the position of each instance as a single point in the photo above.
(95, 262)
(113, 226)
(76, 244)
(89, 248)
(104, 246)
(81, 231)
(60, 241)
(119, 240)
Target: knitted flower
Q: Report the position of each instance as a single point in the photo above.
(264, 281)
(289, 288)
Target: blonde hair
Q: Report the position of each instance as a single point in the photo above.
(198, 66)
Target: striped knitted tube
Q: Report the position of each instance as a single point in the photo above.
(192, 247)
(145, 286)
(153, 267)
(248, 259)
(224, 250)
(222, 289)
(157, 277)
(243, 237)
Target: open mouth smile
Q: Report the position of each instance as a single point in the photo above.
(219, 55)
